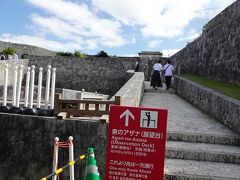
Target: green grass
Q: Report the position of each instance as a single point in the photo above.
(224, 88)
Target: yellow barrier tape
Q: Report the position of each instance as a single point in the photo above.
(59, 171)
(71, 163)
(82, 157)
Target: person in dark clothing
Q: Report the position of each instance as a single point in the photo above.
(137, 66)
(2, 57)
(156, 76)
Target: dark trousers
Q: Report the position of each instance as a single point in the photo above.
(168, 81)
(156, 79)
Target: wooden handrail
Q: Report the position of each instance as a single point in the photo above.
(82, 108)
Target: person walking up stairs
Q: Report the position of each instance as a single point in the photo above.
(91, 171)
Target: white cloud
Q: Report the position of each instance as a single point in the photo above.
(132, 40)
(70, 20)
(74, 24)
(160, 18)
(169, 52)
(57, 27)
(41, 42)
(154, 43)
(191, 35)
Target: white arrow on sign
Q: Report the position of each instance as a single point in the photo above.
(126, 113)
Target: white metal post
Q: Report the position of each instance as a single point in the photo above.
(55, 157)
(53, 87)
(27, 87)
(47, 86)
(19, 85)
(32, 86)
(71, 157)
(39, 95)
(5, 85)
(82, 105)
(15, 86)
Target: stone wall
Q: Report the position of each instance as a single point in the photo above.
(223, 108)
(28, 149)
(132, 92)
(22, 95)
(27, 152)
(104, 75)
(26, 49)
(128, 62)
(11, 65)
(216, 53)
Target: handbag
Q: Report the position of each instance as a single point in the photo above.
(164, 70)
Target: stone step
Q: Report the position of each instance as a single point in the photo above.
(203, 138)
(200, 170)
(203, 152)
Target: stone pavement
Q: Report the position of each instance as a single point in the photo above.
(198, 147)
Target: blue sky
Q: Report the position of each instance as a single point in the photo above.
(119, 27)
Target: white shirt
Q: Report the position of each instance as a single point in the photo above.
(169, 69)
(157, 67)
(15, 56)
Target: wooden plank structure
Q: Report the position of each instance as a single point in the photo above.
(83, 108)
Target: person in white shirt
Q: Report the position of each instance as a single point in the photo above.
(168, 73)
(15, 56)
(156, 76)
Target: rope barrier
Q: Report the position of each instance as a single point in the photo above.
(61, 144)
(58, 171)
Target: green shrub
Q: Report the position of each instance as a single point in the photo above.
(9, 51)
(80, 54)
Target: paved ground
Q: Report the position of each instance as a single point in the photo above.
(182, 116)
(198, 147)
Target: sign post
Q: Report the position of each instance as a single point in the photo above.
(136, 143)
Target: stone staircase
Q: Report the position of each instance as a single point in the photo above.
(198, 147)
(202, 158)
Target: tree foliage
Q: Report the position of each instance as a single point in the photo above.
(9, 51)
(69, 54)
(102, 54)
(79, 54)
